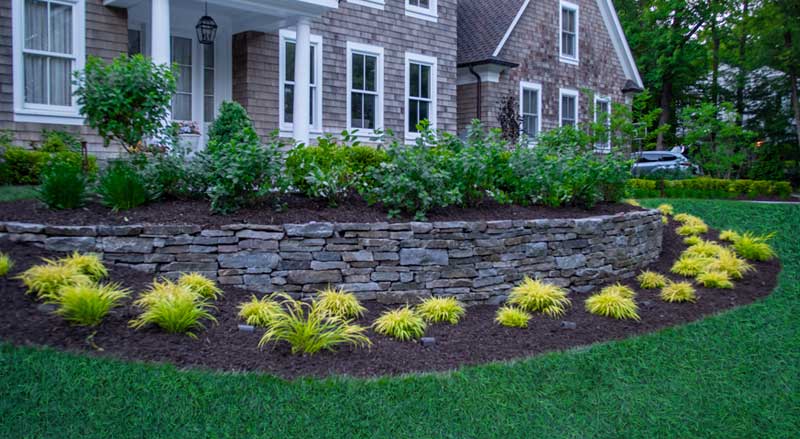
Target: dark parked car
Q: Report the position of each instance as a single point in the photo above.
(662, 162)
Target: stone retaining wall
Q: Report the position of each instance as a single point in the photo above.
(393, 263)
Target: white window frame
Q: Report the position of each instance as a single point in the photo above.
(600, 147)
(316, 40)
(377, 52)
(561, 56)
(431, 13)
(44, 113)
(416, 58)
(531, 86)
(377, 4)
(568, 92)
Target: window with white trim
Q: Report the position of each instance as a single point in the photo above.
(377, 4)
(530, 108)
(602, 114)
(568, 107)
(286, 92)
(49, 46)
(364, 87)
(181, 52)
(422, 9)
(420, 92)
(569, 32)
(209, 109)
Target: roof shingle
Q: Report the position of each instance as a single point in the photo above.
(482, 25)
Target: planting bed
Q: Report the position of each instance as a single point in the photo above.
(476, 339)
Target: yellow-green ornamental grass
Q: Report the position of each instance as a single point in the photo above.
(512, 317)
(650, 280)
(691, 225)
(692, 240)
(714, 279)
(6, 264)
(89, 264)
(615, 302)
(259, 312)
(537, 296)
(632, 202)
(676, 292)
(704, 248)
(691, 266)
(47, 279)
(441, 309)
(666, 209)
(201, 285)
(754, 247)
(88, 303)
(401, 323)
(340, 303)
(173, 307)
(727, 262)
(729, 235)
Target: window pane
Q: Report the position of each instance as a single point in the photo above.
(182, 51)
(414, 80)
(313, 75)
(60, 84)
(208, 55)
(358, 71)
(184, 79)
(35, 79)
(356, 110)
(289, 67)
(35, 25)
(208, 82)
(288, 103)
(370, 73)
(568, 20)
(182, 107)
(312, 104)
(208, 108)
(60, 28)
(424, 110)
(568, 44)
(369, 111)
(413, 115)
(134, 42)
(425, 81)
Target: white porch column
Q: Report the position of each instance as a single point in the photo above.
(302, 79)
(160, 40)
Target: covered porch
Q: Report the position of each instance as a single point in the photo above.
(165, 30)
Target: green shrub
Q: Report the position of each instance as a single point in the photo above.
(59, 141)
(260, 312)
(123, 187)
(480, 165)
(401, 323)
(6, 264)
(340, 303)
(173, 173)
(231, 121)
(173, 308)
(537, 296)
(441, 309)
(23, 166)
(63, 186)
(512, 317)
(87, 304)
(704, 187)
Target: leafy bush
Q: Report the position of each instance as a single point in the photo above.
(309, 329)
(401, 323)
(23, 166)
(714, 279)
(441, 309)
(6, 264)
(704, 187)
(59, 141)
(611, 304)
(340, 303)
(173, 308)
(122, 187)
(231, 121)
(87, 304)
(45, 280)
(537, 296)
(127, 100)
(649, 280)
(259, 312)
(89, 264)
(512, 317)
(63, 186)
(689, 266)
(173, 173)
(200, 285)
(675, 292)
(479, 165)
(754, 247)
(727, 262)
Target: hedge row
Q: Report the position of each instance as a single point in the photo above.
(704, 187)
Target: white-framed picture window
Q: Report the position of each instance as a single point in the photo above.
(530, 108)
(48, 39)
(421, 81)
(364, 88)
(286, 72)
(569, 32)
(568, 107)
(422, 9)
(602, 114)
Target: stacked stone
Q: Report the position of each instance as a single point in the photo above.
(475, 261)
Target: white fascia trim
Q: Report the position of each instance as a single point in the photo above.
(429, 14)
(316, 40)
(38, 113)
(376, 4)
(561, 57)
(434, 83)
(568, 92)
(619, 41)
(523, 85)
(511, 28)
(376, 51)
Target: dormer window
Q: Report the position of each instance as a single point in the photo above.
(422, 9)
(568, 39)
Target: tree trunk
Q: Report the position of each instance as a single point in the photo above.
(714, 60)
(665, 102)
(792, 71)
(741, 77)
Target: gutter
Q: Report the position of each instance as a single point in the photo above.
(471, 66)
(480, 85)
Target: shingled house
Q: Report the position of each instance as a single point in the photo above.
(370, 64)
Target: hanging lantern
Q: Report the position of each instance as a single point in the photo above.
(206, 29)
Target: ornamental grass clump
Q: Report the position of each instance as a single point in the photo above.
(309, 329)
(47, 279)
(691, 266)
(401, 323)
(692, 240)
(259, 312)
(6, 264)
(729, 235)
(87, 304)
(714, 279)
(537, 296)
(650, 280)
(512, 317)
(441, 309)
(704, 248)
(727, 262)
(340, 303)
(610, 303)
(173, 308)
(677, 292)
(620, 290)
(754, 247)
(631, 202)
(666, 209)
(200, 285)
(89, 264)
(694, 227)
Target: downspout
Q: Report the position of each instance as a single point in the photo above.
(478, 78)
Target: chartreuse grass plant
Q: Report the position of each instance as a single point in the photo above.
(666, 209)
(692, 228)
(714, 279)
(6, 264)
(259, 312)
(620, 290)
(692, 240)
(402, 324)
(691, 266)
(45, 280)
(512, 317)
(728, 262)
(613, 302)
(754, 247)
(703, 248)
(340, 303)
(441, 309)
(631, 202)
(87, 304)
(650, 280)
(173, 308)
(308, 328)
(200, 285)
(729, 235)
(677, 292)
(89, 264)
(537, 296)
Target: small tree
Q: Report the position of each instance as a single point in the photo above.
(126, 100)
(232, 121)
(508, 118)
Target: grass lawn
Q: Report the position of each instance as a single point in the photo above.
(736, 375)
(13, 193)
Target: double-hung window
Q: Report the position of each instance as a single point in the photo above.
(420, 93)
(208, 83)
(364, 87)
(530, 108)
(602, 115)
(48, 47)
(422, 9)
(568, 107)
(568, 29)
(287, 81)
(181, 51)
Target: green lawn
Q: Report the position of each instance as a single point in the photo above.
(736, 375)
(12, 193)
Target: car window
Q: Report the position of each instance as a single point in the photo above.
(667, 158)
(648, 158)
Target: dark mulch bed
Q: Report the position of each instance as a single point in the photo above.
(474, 340)
(297, 210)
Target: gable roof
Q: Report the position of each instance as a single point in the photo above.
(484, 26)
